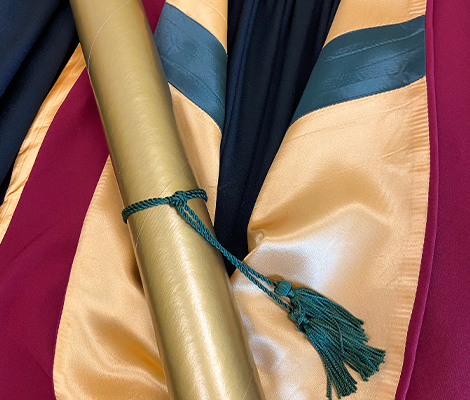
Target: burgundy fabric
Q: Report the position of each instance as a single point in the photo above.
(442, 365)
(37, 251)
(39, 245)
(431, 223)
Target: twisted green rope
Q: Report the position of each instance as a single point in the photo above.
(179, 201)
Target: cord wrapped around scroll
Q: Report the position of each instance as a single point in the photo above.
(198, 327)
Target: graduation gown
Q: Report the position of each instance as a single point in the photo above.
(349, 207)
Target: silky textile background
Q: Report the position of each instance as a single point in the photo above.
(350, 224)
(92, 351)
(106, 345)
(197, 87)
(39, 245)
(35, 136)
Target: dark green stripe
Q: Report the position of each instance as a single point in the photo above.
(366, 62)
(194, 61)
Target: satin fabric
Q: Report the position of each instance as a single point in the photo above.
(416, 319)
(395, 57)
(211, 14)
(36, 40)
(195, 62)
(370, 13)
(351, 224)
(29, 149)
(343, 236)
(297, 387)
(77, 366)
(201, 140)
(39, 245)
(106, 346)
(199, 132)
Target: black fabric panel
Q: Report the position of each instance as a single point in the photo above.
(36, 39)
(273, 46)
(6, 182)
(21, 24)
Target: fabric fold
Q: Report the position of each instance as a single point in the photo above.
(30, 147)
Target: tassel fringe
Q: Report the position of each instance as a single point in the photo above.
(336, 334)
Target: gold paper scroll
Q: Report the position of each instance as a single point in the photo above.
(198, 327)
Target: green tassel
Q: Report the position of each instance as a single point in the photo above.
(336, 334)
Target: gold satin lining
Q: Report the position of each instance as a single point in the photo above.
(201, 141)
(356, 208)
(29, 149)
(359, 14)
(106, 346)
(342, 210)
(211, 14)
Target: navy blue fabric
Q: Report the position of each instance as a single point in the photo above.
(6, 182)
(21, 23)
(35, 40)
(272, 47)
(194, 61)
(366, 62)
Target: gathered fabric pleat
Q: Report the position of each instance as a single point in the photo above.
(272, 48)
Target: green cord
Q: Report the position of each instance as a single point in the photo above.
(335, 333)
(179, 201)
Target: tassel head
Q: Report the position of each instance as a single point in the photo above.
(335, 333)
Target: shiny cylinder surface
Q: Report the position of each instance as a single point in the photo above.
(198, 327)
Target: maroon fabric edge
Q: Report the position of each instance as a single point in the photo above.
(442, 365)
(39, 246)
(419, 306)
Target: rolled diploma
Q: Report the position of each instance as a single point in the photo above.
(198, 327)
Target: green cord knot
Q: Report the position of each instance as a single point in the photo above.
(335, 333)
(178, 199)
(283, 289)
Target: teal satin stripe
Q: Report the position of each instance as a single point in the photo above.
(366, 62)
(194, 61)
